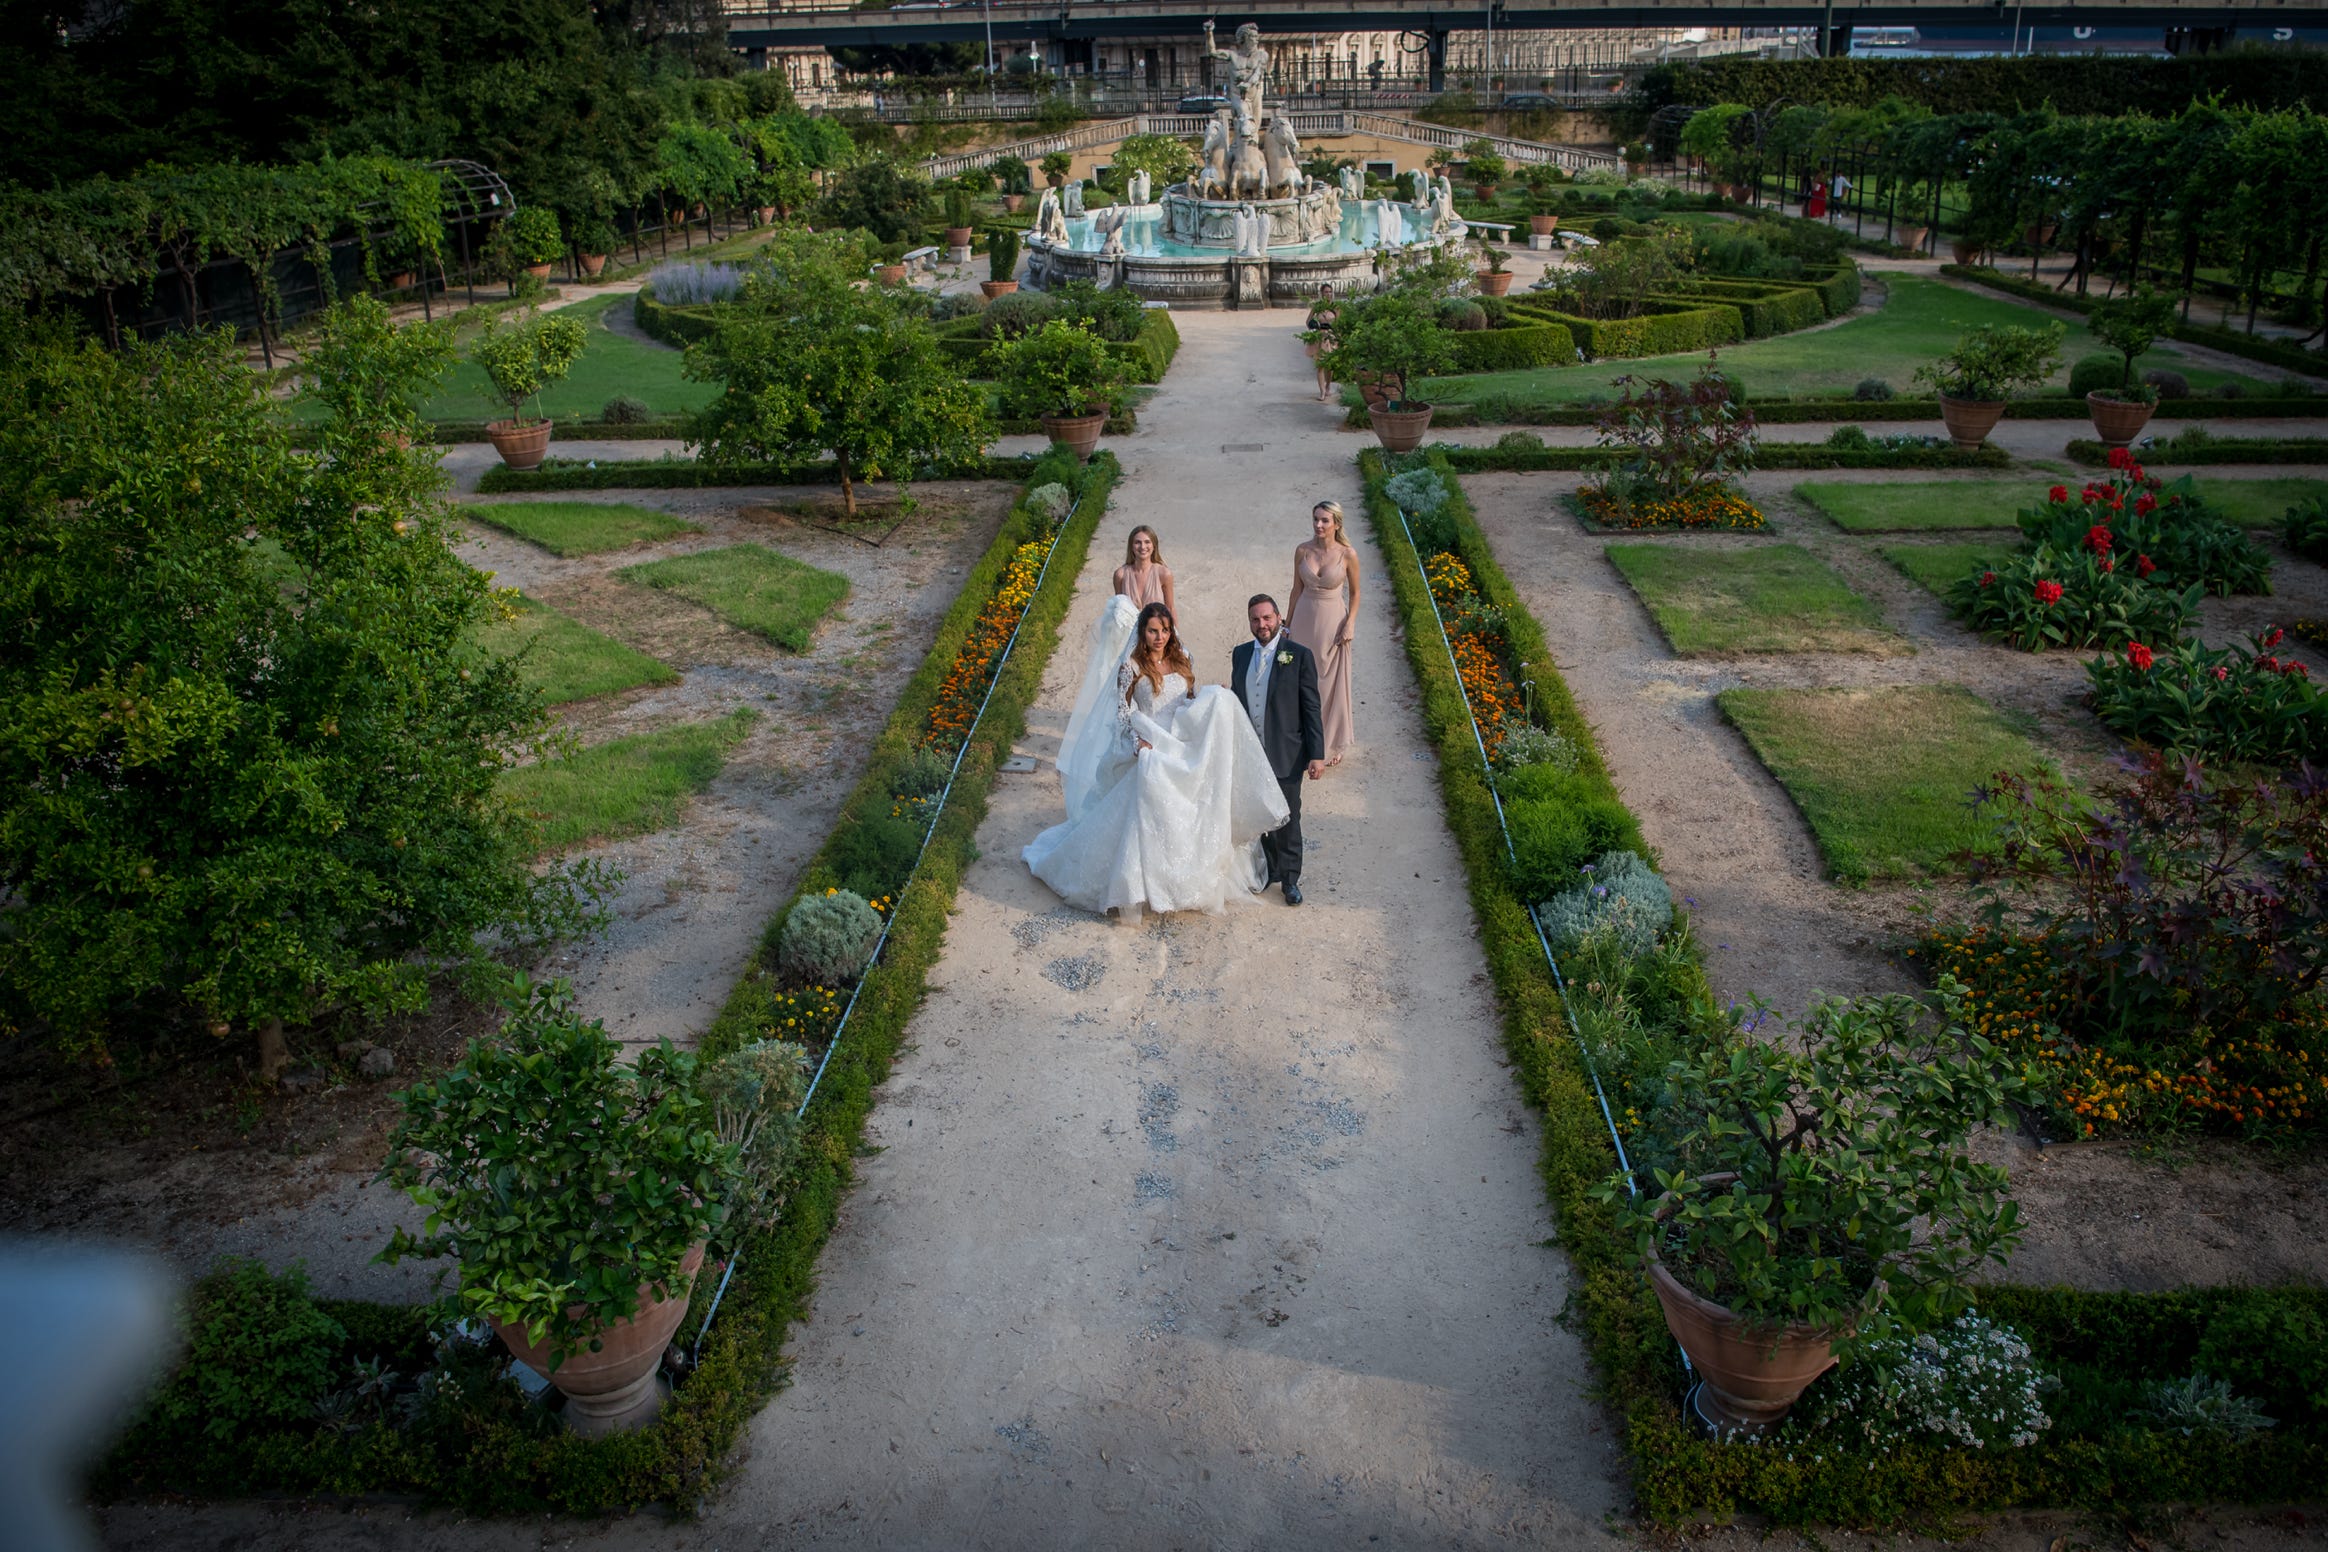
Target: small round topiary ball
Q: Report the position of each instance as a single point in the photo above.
(827, 939)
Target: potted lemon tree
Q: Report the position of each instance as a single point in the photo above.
(1823, 1192)
(575, 1190)
(1988, 363)
(1064, 376)
(1393, 343)
(520, 360)
(2129, 326)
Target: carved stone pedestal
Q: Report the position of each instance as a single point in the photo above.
(1249, 283)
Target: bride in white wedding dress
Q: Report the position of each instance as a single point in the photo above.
(1168, 790)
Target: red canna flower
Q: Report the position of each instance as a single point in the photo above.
(2221, 672)
(2058, 493)
(2048, 592)
(2109, 565)
(2144, 565)
(1988, 578)
(2144, 505)
(2139, 655)
(2098, 538)
(2121, 459)
(2275, 638)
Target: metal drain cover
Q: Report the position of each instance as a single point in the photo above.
(1243, 447)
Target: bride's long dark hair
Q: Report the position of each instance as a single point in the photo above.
(1175, 658)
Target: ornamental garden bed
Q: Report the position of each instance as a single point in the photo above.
(1704, 512)
(2121, 1355)
(2254, 347)
(1904, 407)
(672, 473)
(1521, 451)
(471, 1438)
(2187, 451)
(1933, 507)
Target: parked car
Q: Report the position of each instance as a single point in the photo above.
(1529, 102)
(1203, 102)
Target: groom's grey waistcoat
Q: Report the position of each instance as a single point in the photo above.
(1293, 729)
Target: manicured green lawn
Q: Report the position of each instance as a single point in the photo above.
(1919, 322)
(567, 660)
(1927, 505)
(1772, 598)
(1940, 566)
(626, 787)
(746, 585)
(580, 527)
(611, 366)
(1885, 777)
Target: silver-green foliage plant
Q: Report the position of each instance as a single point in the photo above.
(1051, 503)
(1418, 491)
(2201, 1404)
(827, 939)
(755, 1093)
(1618, 893)
(1524, 744)
(1971, 1384)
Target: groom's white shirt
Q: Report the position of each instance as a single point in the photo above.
(1257, 678)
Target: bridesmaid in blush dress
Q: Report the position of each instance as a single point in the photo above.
(1320, 611)
(1143, 577)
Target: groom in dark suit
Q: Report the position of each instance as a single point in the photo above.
(1277, 679)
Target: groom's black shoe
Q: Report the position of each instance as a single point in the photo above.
(1292, 892)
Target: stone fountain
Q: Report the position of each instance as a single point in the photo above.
(1248, 228)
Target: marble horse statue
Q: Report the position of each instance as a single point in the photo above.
(1281, 152)
(1212, 174)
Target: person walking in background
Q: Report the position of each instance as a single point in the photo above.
(1321, 612)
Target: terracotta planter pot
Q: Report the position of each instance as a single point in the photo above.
(1969, 421)
(1543, 226)
(1079, 434)
(1485, 191)
(1963, 250)
(1753, 1374)
(593, 265)
(1056, 179)
(1493, 282)
(957, 237)
(401, 279)
(767, 214)
(2117, 421)
(521, 443)
(891, 275)
(1014, 203)
(613, 1390)
(1913, 237)
(1400, 431)
(995, 288)
(538, 271)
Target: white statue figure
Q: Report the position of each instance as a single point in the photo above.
(1419, 187)
(1139, 188)
(1353, 183)
(1443, 217)
(1252, 233)
(1248, 68)
(1114, 246)
(1248, 171)
(1391, 223)
(1075, 198)
(1050, 225)
(1281, 151)
(1212, 177)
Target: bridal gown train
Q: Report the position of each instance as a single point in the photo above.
(1174, 827)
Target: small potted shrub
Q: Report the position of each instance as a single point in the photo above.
(891, 270)
(1002, 256)
(1636, 157)
(1056, 166)
(2128, 326)
(520, 360)
(1484, 165)
(534, 240)
(1494, 280)
(1064, 376)
(1543, 182)
(1988, 363)
(1822, 1192)
(1398, 343)
(594, 239)
(958, 219)
(576, 1190)
(1016, 181)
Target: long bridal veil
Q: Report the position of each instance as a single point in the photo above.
(1091, 729)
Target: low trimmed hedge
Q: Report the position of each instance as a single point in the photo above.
(1838, 286)
(2254, 347)
(1513, 410)
(1768, 308)
(664, 428)
(2230, 450)
(489, 1451)
(1667, 328)
(1514, 348)
(2098, 1341)
(675, 326)
(688, 474)
(1768, 455)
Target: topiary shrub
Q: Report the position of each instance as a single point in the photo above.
(1850, 439)
(874, 858)
(258, 1352)
(1519, 442)
(1016, 314)
(1050, 502)
(2170, 385)
(827, 939)
(1559, 822)
(1873, 390)
(2096, 373)
(1462, 314)
(623, 410)
(1619, 892)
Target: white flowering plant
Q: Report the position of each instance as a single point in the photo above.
(1971, 1384)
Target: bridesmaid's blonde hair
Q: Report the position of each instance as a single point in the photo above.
(1155, 546)
(1332, 509)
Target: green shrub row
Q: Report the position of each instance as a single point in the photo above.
(2102, 1458)
(1769, 455)
(688, 474)
(1839, 287)
(2094, 455)
(485, 1449)
(1767, 308)
(1513, 348)
(675, 326)
(2254, 347)
(663, 428)
(1518, 410)
(1668, 328)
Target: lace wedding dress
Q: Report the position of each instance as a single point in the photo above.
(1173, 827)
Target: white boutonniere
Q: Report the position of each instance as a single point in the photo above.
(1284, 657)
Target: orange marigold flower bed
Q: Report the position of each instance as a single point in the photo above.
(964, 688)
(2251, 1082)
(1477, 639)
(1713, 508)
